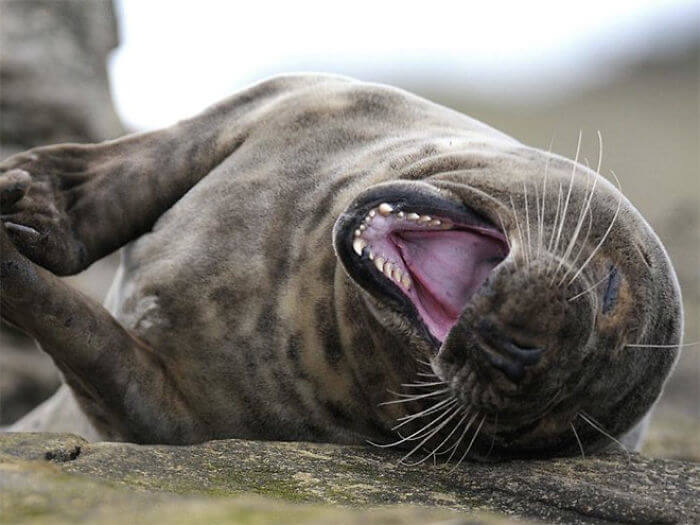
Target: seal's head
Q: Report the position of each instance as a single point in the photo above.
(529, 286)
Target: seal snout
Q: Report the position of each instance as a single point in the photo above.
(520, 340)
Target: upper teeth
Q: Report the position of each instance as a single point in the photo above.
(358, 245)
(379, 263)
(385, 209)
(388, 268)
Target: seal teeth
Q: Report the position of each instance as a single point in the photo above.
(379, 263)
(388, 268)
(358, 245)
(385, 209)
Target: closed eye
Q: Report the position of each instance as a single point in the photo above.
(611, 290)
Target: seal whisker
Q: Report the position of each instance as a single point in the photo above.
(520, 232)
(679, 345)
(471, 443)
(556, 220)
(607, 232)
(537, 213)
(411, 437)
(423, 385)
(426, 428)
(425, 374)
(413, 398)
(457, 441)
(568, 194)
(580, 445)
(592, 287)
(423, 413)
(427, 438)
(435, 451)
(527, 220)
(540, 244)
(493, 434)
(404, 395)
(600, 152)
(585, 208)
(577, 231)
(461, 437)
(583, 244)
(503, 229)
(599, 428)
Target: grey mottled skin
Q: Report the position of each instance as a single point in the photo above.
(232, 315)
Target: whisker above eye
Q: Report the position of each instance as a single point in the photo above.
(605, 235)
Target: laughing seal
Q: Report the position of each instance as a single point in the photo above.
(318, 258)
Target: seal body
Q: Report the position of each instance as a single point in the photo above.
(262, 294)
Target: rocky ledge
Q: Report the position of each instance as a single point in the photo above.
(58, 478)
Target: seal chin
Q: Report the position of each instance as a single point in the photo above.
(432, 259)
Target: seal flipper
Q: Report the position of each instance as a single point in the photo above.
(122, 385)
(68, 205)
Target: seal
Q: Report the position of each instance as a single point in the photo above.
(318, 258)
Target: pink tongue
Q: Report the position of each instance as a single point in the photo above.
(448, 265)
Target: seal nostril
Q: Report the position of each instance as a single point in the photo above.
(506, 355)
(528, 356)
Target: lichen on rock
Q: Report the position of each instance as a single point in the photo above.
(317, 483)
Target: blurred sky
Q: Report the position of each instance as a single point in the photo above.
(179, 56)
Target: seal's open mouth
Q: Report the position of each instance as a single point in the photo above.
(436, 261)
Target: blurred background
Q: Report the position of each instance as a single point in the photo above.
(89, 70)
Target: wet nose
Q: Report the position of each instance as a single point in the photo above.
(504, 353)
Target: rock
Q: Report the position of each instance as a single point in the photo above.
(70, 479)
